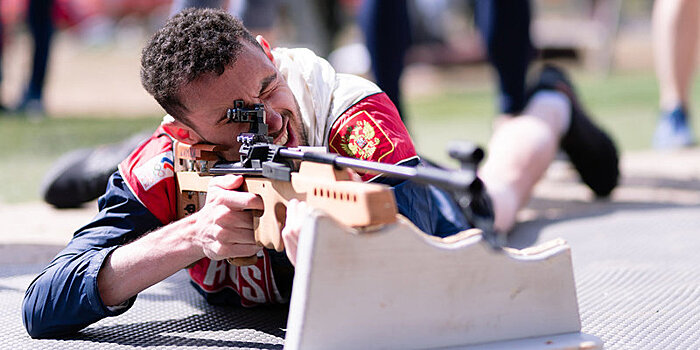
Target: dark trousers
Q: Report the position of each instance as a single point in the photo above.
(41, 26)
(504, 25)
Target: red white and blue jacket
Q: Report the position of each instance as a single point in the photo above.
(347, 114)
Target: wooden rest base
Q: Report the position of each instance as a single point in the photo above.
(399, 288)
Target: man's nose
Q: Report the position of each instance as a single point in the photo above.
(274, 120)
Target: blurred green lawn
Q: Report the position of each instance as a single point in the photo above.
(624, 103)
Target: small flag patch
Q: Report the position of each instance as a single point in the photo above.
(155, 170)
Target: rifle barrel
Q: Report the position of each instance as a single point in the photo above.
(460, 179)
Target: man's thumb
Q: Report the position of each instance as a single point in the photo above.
(227, 182)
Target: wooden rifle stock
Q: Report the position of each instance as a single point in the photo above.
(321, 186)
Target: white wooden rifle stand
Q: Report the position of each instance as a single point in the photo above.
(398, 288)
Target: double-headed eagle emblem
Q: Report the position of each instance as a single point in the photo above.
(360, 140)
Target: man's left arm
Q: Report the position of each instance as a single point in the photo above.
(372, 129)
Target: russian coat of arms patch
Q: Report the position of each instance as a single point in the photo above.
(361, 137)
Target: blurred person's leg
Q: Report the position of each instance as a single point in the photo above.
(331, 21)
(675, 35)
(521, 149)
(308, 26)
(2, 46)
(260, 17)
(386, 27)
(41, 26)
(505, 28)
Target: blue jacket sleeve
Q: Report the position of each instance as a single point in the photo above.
(64, 297)
(430, 208)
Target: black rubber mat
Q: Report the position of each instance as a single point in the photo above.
(637, 272)
(168, 315)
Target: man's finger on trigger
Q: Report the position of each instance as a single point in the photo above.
(290, 237)
(253, 202)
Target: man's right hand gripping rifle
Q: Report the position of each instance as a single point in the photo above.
(236, 224)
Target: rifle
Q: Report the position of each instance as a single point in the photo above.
(278, 174)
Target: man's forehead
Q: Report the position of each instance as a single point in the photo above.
(252, 56)
(250, 70)
(244, 77)
(249, 60)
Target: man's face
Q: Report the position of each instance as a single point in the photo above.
(253, 79)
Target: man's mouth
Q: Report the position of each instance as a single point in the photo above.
(283, 137)
(288, 135)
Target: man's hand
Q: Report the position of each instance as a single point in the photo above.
(225, 223)
(223, 228)
(296, 211)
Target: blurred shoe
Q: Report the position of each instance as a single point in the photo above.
(673, 130)
(81, 175)
(589, 148)
(68, 184)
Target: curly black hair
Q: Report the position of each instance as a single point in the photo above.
(192, 43)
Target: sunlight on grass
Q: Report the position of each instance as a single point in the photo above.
(28, 149)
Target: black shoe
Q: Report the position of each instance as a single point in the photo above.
(82, 175)
(589, 148)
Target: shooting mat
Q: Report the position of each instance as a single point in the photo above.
(169, 315)
(636, 267)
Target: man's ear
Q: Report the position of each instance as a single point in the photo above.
(266, 47)
(180, 131)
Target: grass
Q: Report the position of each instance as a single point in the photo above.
(625, 104)
(28, 149)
